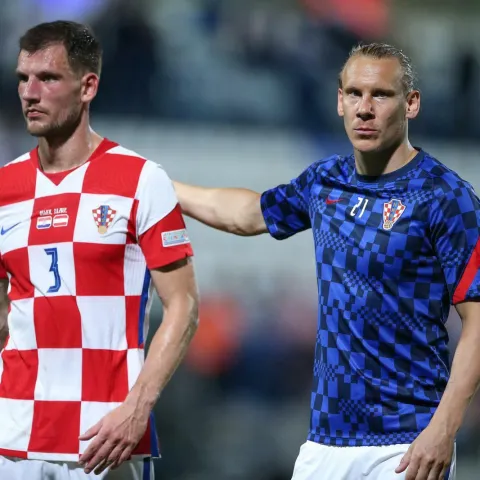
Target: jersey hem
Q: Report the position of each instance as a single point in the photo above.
(60, 457)
(366, 440)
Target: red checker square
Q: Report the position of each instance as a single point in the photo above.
(56, 427)
(113, 175)
(58, 323)
(20, 369)
(132, 319)
(99, 269)
(105, 375)
(17, 263)
(18, 183)
(53, 219)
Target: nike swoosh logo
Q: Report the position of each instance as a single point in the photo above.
(6, 230)
(329, 201)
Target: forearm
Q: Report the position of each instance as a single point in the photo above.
(167, 349)
(4, 304)
(233, 210)
(3, 334)
(464, 379)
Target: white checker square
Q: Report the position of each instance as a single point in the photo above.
(59, 374)
(89, 230)
(72, 183)
(135, 361)
(156, 196)
(119, 150)
(21, 158)
(17, 419)
(103, 322)
(15, 222)
(52, 269)
(135, 269)
(90, 414)
(21, 326)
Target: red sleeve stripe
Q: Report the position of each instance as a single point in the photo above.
(468, 276)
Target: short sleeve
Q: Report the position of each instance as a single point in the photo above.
(160, 227)
(455, 230)
(285, 207)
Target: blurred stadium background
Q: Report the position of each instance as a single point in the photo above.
(243, 93)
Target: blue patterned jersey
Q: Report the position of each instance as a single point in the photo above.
(392, 253)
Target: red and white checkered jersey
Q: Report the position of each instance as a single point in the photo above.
(78, 252)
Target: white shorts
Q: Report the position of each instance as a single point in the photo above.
(18, 469)
(319, 462)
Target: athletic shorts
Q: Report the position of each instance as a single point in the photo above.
(322, 462)
(19, 469)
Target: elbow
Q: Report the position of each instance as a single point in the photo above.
(248, 227)
(194, 318)
(193, 314)
(243, 231)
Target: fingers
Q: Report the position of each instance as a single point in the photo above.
(114, 457)
(404, 462)
(100, 456)
(90, 451)
(437, 472)
(423, 471)
(412, 469)
(91, 432)
(125, 455)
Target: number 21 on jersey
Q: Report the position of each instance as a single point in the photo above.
(361, 204)
(53, 252)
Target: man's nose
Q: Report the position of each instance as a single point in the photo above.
(365, 107)
(30, 90)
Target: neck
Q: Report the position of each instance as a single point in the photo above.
(64, 152)
(385, 161)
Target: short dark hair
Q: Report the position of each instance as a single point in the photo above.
(84, 51)
(383, 50)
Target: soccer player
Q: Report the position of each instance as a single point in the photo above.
(87, 229)
(397, 240)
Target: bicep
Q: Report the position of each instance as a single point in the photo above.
(253, 210)
(469, 312)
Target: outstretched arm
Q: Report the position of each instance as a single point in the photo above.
(233, 210)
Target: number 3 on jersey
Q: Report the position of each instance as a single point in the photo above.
(53, 252)
(362, 202)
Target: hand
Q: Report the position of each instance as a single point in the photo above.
(117, 434)
(429, 456)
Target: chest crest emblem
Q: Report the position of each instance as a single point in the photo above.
(392, 211)
(103, 217)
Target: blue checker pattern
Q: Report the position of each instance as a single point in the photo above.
(393, 253)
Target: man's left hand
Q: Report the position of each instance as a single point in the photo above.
(116, 436)
(429, 456)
